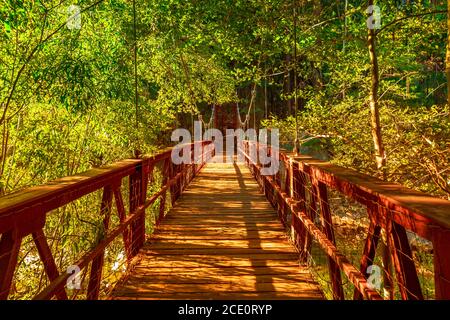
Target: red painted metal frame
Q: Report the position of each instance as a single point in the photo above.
(390, 206)
(24, 212)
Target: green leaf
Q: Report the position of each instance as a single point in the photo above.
(7, 26)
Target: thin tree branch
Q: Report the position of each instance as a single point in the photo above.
(408, 17)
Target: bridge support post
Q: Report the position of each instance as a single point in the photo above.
(327, 225)
(165, 174)
(286, 187)
(97, 263)
(47, 258)
(441, 247)
(122, 216)
(370, 247)
(402, 258)
(138, 189)
(298, 192)
(175, 188)
(9, 251)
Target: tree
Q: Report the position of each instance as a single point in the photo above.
(380, 155)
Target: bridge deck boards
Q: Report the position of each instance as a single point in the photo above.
(221, 240)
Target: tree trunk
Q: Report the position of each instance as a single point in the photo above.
(345, 26)
(288, 83)
(380, 157)
(408, 87)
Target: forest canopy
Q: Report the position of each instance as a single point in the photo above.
(67, 92)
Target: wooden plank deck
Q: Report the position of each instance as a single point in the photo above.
(222, 240)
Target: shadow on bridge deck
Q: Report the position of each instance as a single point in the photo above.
(222, 240)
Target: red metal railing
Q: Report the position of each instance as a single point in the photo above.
(300, 193)
(24, 213)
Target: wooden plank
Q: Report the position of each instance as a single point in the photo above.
(279, 271)
(307, 295)
(165, 227)
(197, 257)
(193, 278)
(243, 230)
(218, 235)
(222, 240)
(219, 244)
(201, 262)
(236, 218)
(143, 286)
(194, 212)
(270, 253)
(220, 222)
(250, 232)
(211, 222)
(226, 208)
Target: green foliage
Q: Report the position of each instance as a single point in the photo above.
(334, 82)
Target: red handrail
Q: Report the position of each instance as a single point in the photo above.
(391, 207)
(24, 212)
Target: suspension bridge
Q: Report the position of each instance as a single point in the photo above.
(232, 233)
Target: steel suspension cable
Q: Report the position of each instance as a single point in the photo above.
(296, 142)
(136, 151)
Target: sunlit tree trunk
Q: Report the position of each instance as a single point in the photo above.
(345, 25)
(373, 103)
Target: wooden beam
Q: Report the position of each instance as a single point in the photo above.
(47, 259)
(327, 226)
(97, 263)
(9, 250)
